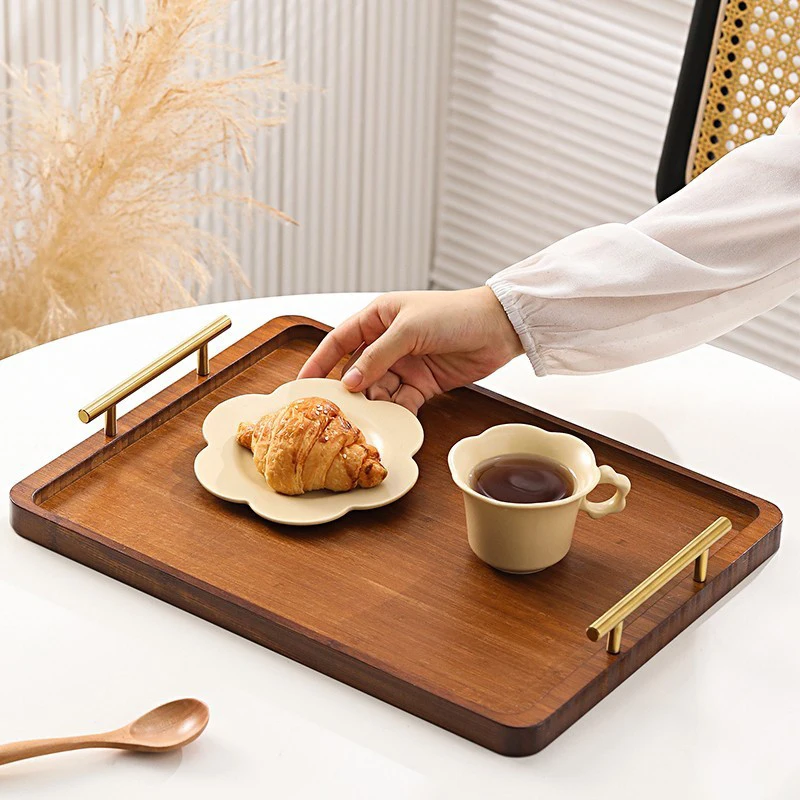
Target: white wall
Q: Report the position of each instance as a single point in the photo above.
(555, 121)
(355, 164)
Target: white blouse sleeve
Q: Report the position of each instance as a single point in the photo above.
(715, 254)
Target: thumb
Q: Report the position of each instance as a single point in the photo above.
(378, 358)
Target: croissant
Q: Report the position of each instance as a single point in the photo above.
(309, 444)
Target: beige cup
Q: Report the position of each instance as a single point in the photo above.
(516, 537)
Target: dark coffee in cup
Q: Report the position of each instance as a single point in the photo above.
(522, 478)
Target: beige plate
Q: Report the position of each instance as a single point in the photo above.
(226, 469)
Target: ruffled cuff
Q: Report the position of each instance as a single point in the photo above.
(509, 296)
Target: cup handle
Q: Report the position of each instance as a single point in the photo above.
(614, 504)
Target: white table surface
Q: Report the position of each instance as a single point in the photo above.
(714, 714)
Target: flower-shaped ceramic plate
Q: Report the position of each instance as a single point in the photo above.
(226, 469)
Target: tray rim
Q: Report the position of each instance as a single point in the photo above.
(510, 732)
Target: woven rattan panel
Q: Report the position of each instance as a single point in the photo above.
(755, 79)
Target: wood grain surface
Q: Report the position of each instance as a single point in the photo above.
(392, 601)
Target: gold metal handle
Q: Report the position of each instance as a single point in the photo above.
(108, 402)
(697, 550)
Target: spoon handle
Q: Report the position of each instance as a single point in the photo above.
(16, 751)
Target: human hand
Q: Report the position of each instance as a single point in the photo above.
(419, 344)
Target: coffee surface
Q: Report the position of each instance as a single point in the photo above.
(521, 478)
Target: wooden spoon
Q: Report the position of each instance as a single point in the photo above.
(167, 727)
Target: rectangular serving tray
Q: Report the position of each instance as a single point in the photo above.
(392, 601)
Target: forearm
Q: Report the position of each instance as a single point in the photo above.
(721, 251)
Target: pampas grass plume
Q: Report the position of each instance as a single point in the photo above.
(98, 203)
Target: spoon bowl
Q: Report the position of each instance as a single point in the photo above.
(170, 726)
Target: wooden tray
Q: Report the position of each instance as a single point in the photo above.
(392, 601)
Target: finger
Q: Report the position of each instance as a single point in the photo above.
(385, 387)
(352, 360)
(378, 358)
(409, 397)
(336, 345)
(376, 392)
(415, 371)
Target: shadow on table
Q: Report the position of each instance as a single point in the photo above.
(632, 429)
(63, 774)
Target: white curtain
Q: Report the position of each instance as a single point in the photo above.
(354, 165)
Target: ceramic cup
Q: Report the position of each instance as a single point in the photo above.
(528, 537)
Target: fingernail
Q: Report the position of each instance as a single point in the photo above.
(352, 378)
